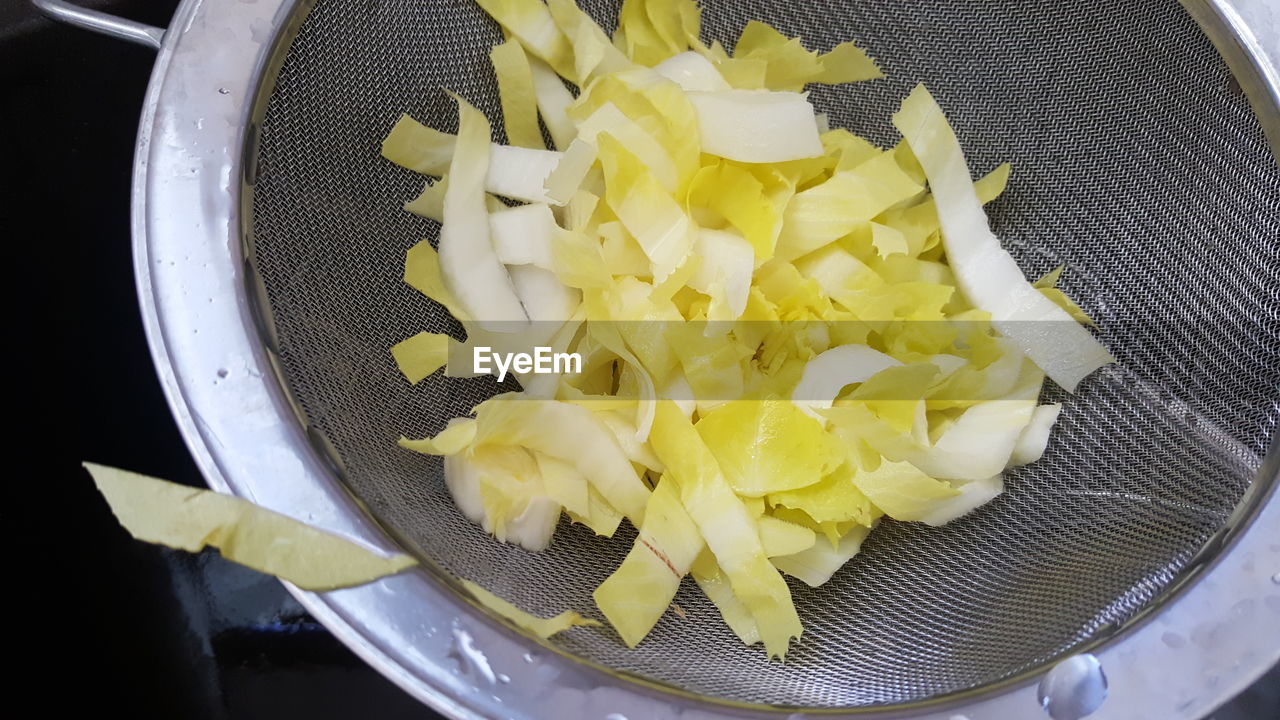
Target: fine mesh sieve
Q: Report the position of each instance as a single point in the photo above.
(1136, 162)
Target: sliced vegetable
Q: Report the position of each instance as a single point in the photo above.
(636, 595)
(570, 433)
(692, 71)
(514, 172)
(531, 22)
(711, 579)
(842, 203)
(726, 527)
(421, 355)
(468, 264)
(836, 498)
(523, 235)
(593, 53)
(542, 627)
(901, 490)
(784, 335)
(647, 210)
(187, 518)
(1035, 436)
(825, 375)
(724, 273)
(515, 90)
(756, 126)
(988, 275)
(768, 446)
(972, 495)
(553, 100)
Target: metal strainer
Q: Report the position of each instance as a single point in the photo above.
(270, 241)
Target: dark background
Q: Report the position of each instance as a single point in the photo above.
(146, 630)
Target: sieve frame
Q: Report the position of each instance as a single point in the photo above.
(211, 339)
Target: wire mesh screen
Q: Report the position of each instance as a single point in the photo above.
(1136, 162)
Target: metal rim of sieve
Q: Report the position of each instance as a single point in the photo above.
(211, 340)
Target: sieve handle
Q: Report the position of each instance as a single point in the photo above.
(101, 22)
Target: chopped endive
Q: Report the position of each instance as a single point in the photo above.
(570, 173)
(430, 202)
(815, 566)
(692, 71)
(570, 433)
(779, 537)
(650, 31)
(768, 446)
(514, 503)
(978, 445)
(972, 495)
(835, 498)
(515, 172)
(455, 438)
(531, 22)
(546, 300)
(785, 332)
(515, 89)
(567, 486)
(742, 201)
(846, 63)
(542, 627)
(636, 595)
(842, 203)
(726, 527)
(901, 490)
(186, 518)
(638, 141)
(716, 587)
(623, 427)
(523, 235)
(496, 487)
(553, 100)
(593, 53)
(986, 273)
(1035, 436)
(724, 273)
(1048, 285)
(788, 66)
(468, 264)
(423, 354)
(756, 126)
(647, 210)
(825, 375)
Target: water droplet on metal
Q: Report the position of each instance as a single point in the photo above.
(530, 657)
(222, 372)
(504, 678)
(223, 91)
(959, 717)
(1243, 608)
(1173, 640)
(1276, 578)
(469, 657)
(615, 716)
(1074, 688)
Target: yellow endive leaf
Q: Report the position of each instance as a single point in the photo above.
(542, 627)
(419, 356)
(187, 518)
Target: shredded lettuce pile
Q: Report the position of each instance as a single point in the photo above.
(787, 332)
